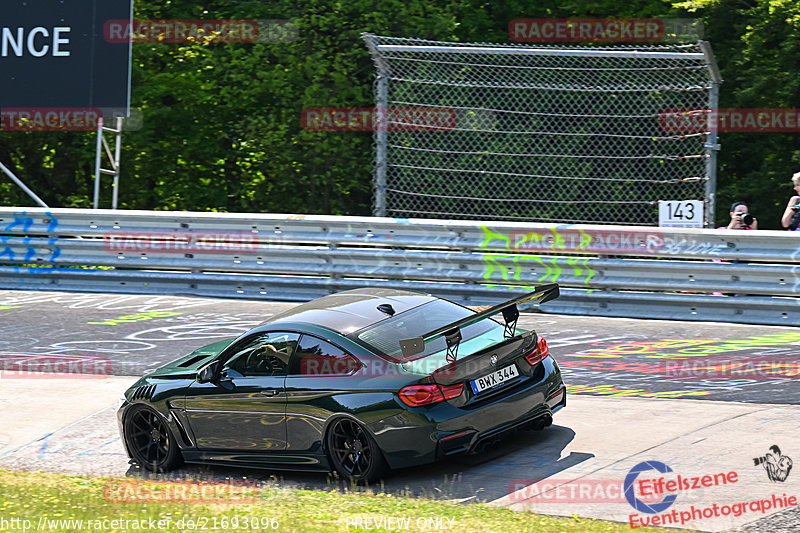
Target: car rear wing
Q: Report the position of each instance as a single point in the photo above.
(452, 331)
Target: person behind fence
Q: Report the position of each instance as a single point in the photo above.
(791, 215)
(740, 218)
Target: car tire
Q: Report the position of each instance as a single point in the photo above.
(150, 441)
(353, 452)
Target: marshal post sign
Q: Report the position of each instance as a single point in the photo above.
(53, 54)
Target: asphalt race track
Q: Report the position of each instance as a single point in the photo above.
(699, 397)
(132, 334)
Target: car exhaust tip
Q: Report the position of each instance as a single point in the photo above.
(486, 445)
(541, 423)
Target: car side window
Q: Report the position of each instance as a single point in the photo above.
(267, 354)
(316, 357)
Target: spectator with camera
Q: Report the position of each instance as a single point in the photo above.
(740, 218)
(791, 216)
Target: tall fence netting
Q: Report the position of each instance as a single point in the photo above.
(547, 136)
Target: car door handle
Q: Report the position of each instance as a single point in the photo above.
(269, 392)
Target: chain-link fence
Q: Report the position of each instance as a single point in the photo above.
(550, 134)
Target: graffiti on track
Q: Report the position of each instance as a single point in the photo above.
(689, 347)
(137, 317)
(609, 390)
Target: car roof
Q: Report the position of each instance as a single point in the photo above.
(349, 311)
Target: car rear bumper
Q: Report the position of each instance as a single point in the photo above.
(428, 433)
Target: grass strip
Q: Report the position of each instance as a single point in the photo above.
(61, 503)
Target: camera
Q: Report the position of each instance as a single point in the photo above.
(747, 218)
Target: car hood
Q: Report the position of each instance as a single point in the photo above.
(190, 364)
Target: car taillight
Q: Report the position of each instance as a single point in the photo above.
(417, 395)
(539, 353)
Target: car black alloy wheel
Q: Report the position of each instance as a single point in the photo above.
(353, 452)
(150, 441)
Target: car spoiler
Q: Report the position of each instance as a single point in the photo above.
(452, 332)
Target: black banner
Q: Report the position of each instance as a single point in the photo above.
(53, 54)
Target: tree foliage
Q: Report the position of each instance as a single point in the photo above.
(757, 46)
(221, 122)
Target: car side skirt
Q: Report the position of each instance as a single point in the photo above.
(276, 461)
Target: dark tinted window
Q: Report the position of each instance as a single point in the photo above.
(267, 354)
(385, 336)
(316, 357)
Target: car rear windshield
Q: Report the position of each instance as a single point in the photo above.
(385, 336)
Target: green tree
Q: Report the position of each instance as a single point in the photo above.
(757, 46)
(221, 122)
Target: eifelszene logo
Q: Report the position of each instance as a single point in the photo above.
(630, 493)
(777, 465)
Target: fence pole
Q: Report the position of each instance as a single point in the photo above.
(381, 139)
(711, 146)
(96, 203)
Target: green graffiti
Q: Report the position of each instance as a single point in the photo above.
(493, 264)
(585, 240)
(138, 317)
(576, 263)
(545, 265)
(10, 307)
(495, 269)
(558, 240)
(490, 236)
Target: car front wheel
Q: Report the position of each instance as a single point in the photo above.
(150, 441)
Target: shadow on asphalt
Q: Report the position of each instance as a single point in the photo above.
(522, 458)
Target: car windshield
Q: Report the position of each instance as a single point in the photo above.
(385, 335)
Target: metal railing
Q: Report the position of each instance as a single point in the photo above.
(626, 271)
(548, 132)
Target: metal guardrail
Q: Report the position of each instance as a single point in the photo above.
(643, 272)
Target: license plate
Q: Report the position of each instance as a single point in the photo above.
(494, 379)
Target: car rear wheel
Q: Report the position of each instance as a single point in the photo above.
(150, 441)
(354, 453)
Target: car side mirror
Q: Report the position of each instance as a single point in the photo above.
(208, 373)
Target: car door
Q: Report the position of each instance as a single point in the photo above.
(319, 376)
(245, 409)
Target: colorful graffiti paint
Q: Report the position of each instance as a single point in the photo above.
(742, 369)
(137, 317)
(688, 347)
(549, 269)
(610, 390)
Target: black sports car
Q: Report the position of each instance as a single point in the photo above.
(357, 381)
